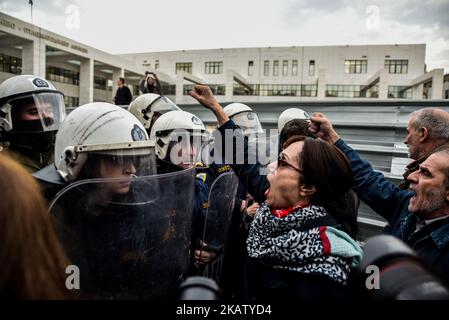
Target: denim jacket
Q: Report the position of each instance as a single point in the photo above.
(431, 243)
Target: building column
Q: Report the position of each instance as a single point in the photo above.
(437, 85)
(86, 86)
(34, 58)
(417, 91)
(321, 88)
(179, 92)
(229, 87)
(117, 73)
(383, 84)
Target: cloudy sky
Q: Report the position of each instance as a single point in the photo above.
(146, 25)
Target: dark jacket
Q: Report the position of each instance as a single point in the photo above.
(123, 96)
(31, 160)
(431, 243)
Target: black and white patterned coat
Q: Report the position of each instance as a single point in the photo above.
(283, 243)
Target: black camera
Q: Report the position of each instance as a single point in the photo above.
(391, 270)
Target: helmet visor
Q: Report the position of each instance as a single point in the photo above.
(157, 108)
(248, 121)
(47, 108)
(126, 165)
(136, 159)
(163, 105)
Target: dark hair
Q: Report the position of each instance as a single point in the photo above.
(327, 168)
(33, 261)
(147, 72)
(122, 79)
(295, 127)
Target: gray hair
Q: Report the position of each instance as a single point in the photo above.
(434, 121)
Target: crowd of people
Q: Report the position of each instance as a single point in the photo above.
(125, 196)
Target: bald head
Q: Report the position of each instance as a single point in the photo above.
(435, 120)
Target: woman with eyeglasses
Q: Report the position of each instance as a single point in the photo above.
(298, 248)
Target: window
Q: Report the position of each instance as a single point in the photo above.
(71, 102)
(156, 65)
(63, 75)
(351, 91)
(100, 83)
(214, 67)
(356, 66)
(306, 90)
(167, 89)
(10, 64)
(250, 68)
(294, 67)
(184, 66)
(275, 68)
(400, 92)
(311, 67)
(396, 66)
(285, 68)
(266, 68)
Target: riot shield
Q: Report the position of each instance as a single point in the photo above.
(218, 221)
(129, 238)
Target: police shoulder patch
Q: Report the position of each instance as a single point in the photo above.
(137, 133)
(224, 169)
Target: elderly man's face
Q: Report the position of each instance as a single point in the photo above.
(412, 140)
(431, 198)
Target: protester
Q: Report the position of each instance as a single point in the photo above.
(297, 203)
(427, 133)
(33, 262)
(419, 216)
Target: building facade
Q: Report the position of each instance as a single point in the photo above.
(249, 75)
(300, 73)
(84, 74)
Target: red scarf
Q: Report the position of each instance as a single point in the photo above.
(280, 213)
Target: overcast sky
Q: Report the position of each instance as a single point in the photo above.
(145, 25)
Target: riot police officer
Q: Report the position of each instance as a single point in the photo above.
(31, 110)
(127, 229)
(150, 106)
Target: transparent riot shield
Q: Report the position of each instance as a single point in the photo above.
(129, 238)
(218, 221)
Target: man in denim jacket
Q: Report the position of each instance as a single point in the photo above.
(419, 216)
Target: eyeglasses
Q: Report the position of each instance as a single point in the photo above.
(282, 162)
